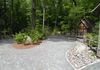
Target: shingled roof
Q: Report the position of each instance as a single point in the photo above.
(86, 23)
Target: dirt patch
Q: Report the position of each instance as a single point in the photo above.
(23, 46)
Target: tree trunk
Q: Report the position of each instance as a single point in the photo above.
(74, 2)
(5, 11)
(43, 19)
(11, 19)
(33, 13)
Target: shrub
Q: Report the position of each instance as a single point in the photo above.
(94, 42)
(96, 28)
(20, 37)
(65, 28)
(91, 39)
(36, 35)
(55, 30)
(88, 36)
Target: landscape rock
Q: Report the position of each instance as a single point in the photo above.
(28, 40)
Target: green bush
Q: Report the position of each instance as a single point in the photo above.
(94, 42)
(91, 39)
(96, 28)
(88, 36)
(36, 35)
(55, 30)
(20, 37)
(64, 27)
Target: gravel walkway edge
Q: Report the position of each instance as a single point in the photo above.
(49, 55)
(94, 62)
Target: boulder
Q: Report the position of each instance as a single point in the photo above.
(28, 40)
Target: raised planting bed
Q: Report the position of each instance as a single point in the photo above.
(26, 46)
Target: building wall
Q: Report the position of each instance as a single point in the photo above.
(82, 30)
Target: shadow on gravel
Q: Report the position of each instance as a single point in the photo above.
(6, 41)
(95, 66)
(61, 38)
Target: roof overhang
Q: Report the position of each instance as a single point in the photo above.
(84, 23)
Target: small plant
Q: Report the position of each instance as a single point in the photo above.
(88, 36)
(91, 39)
(36, 35)
(94, 42)
(64, 27)
(29, 37)
(20, 37)
(55, 31)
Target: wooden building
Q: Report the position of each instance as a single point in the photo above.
(84, 27)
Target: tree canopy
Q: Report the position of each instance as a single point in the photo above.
(63, 15)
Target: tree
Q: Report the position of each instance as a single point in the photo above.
(33, 13)
(44, 13)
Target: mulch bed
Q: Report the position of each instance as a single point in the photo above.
(23, 46)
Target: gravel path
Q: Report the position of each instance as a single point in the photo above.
(80, 56)
(50, 55)
(95, 66)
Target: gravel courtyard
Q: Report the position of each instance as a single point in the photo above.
(49, 55)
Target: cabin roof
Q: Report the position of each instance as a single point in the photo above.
(86, 23)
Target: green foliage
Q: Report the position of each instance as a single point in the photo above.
(21, 15)
(55, 31)
(94, 43)
(91, 39)
(36, 35)
(88, 36)
(64, 27)
(66, 11)
(96, 28)
(20, 37)
(16, 15)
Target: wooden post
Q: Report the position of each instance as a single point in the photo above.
(98, 49)
(33, 13)
(96, 10)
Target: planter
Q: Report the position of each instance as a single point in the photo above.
(22, 46)
(26, 46)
